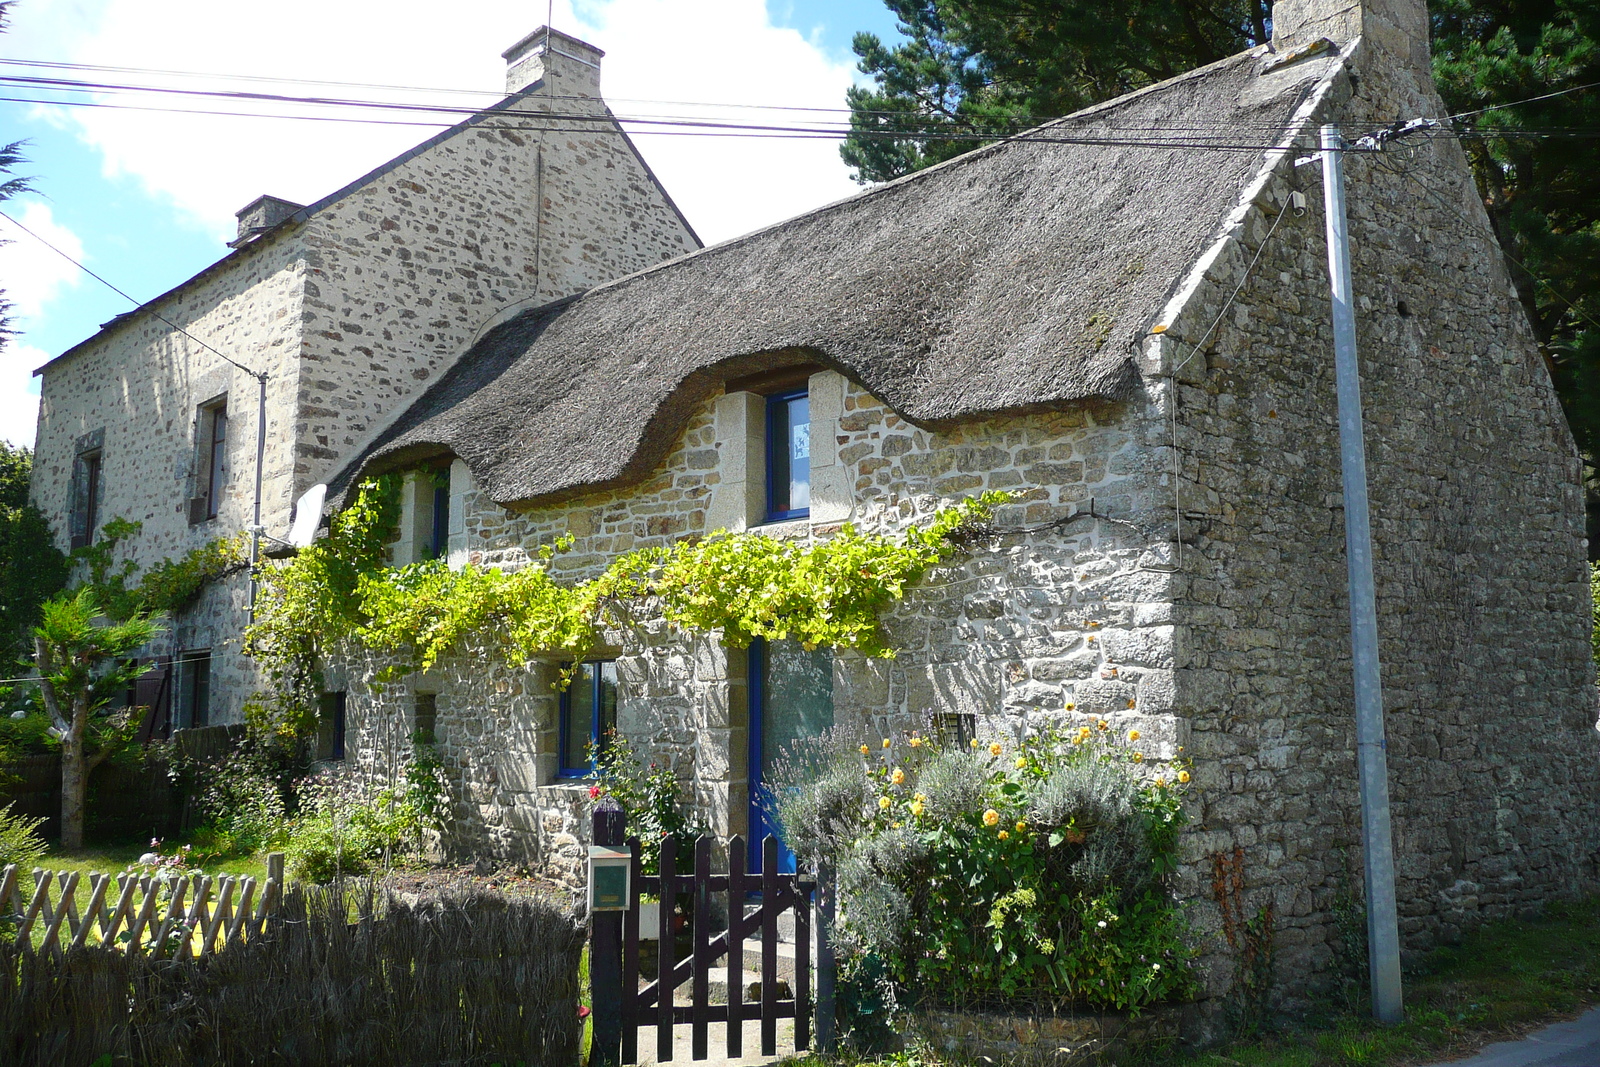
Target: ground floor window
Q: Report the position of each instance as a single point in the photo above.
(588, 715)
(425, 726)
(194, 688)
(330, 728)
(791, 697)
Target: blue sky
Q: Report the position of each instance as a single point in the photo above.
(146, 199)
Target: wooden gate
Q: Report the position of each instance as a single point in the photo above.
(653, 1003)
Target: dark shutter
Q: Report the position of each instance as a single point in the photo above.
(153, 693)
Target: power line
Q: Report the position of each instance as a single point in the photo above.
(138, 305)
(1519, 103)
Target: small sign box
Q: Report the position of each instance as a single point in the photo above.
(608, 878)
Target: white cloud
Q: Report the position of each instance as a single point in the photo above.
(30, 273)
(19, 392)
(210, 166)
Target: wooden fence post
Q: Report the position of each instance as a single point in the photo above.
(827, 1035)
(610, 826)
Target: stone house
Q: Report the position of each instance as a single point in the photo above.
(1123, 318)
(350, 306)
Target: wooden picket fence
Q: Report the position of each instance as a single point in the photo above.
(184, 916)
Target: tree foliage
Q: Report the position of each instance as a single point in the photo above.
(973, 70)
(31, 568)
(1541, 185)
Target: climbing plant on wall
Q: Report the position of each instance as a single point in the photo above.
(745, 585)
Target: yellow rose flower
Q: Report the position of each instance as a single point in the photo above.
(1183, 776)
(1102, 724)
(1022, 761)
(973, 742)
(865, 750)
(1004, 835)
(916, 808)
(884, 802)
(915, 741)
(995, 749)
(1021, 826)
(921, 798)
(1070, 705)
(1138, 757)
(1161, 783)
(991, 817)
(886, 742)
(1133, 735)
(898, 777)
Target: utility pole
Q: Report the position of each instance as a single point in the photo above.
(1377, 845)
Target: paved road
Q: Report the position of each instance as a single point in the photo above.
(1574, 1044)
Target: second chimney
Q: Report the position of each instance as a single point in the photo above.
(566, 65)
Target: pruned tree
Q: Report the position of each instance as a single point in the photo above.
(83, 662)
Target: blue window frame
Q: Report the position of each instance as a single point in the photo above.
(788, 456)
(439, 531)
(588, 715)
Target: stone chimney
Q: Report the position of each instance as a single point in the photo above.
(260, 215)
(566, 65)
(1398, 28)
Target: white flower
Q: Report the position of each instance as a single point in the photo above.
(1102, 923)
(149, 858)
(1155, 966)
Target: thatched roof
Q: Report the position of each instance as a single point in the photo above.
(1011, 278)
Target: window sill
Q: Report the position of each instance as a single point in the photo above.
(783, 529)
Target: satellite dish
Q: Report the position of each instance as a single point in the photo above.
(307, 516)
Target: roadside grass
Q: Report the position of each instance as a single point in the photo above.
(1501, 982)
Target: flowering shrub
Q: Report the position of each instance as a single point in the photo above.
(1035, 869)
(656, 806)
(159, 863)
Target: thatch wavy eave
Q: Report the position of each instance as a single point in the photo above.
(1010, 279)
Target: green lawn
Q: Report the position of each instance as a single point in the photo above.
(1503, 981)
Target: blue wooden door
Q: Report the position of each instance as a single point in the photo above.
(791, 697)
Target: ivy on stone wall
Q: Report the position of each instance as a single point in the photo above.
(743, 585)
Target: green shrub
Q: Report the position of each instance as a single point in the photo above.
(654, 800)
(20, 842)
(347, 825)
(1034, 870)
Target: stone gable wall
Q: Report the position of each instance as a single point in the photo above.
(141, 383)
(403, 273)
(1477, 523)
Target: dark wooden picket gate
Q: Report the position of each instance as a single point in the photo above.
(654, 1002)
(754, 904)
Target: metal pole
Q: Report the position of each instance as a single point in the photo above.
(1377, 846)
(261, 453)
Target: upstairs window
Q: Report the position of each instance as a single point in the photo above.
(788, 456)
(588, 715)
(216, 455)
(85, 498)
(211, 460)
(438, 545)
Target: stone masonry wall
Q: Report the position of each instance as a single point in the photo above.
(141, 383)
(1042, 616)
(1477, 521)
(405, 272)
(352, 314)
